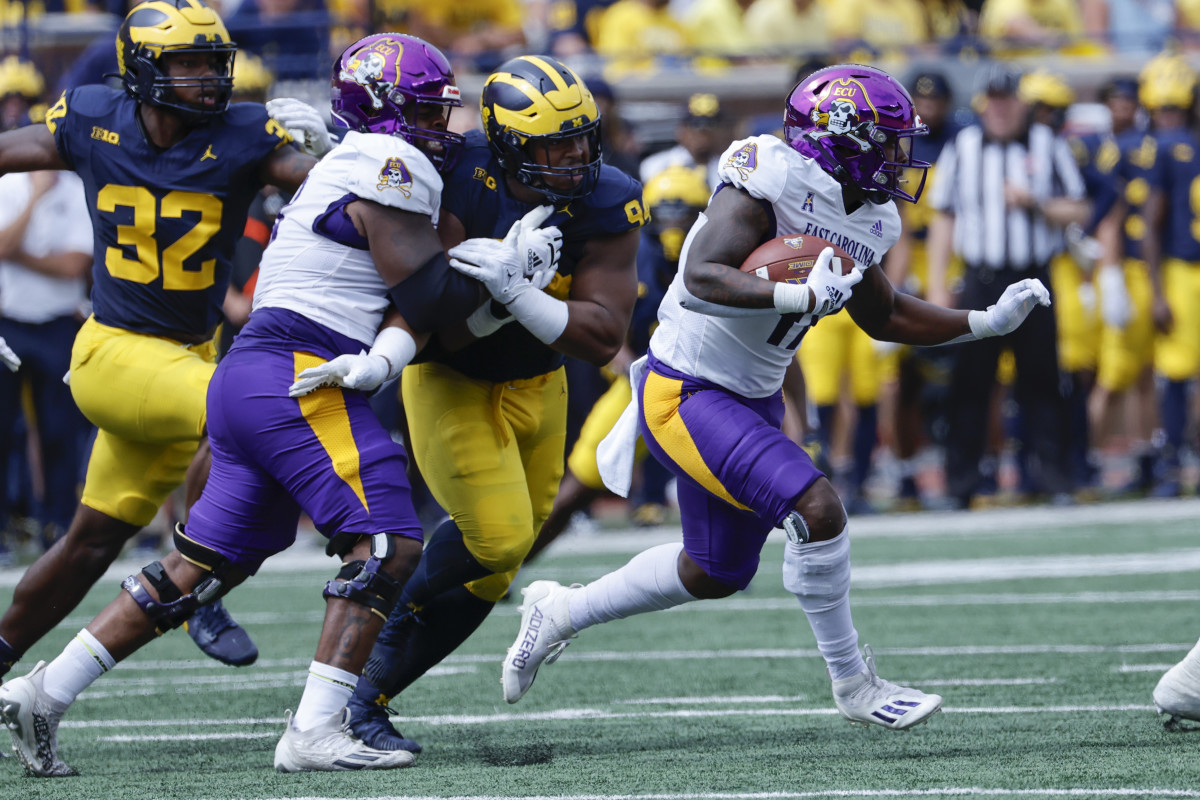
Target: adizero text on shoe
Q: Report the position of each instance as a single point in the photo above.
(216, 633)
(331, 747)
(866, 699)
(26, 712)
(1177, 695)
(545, 632)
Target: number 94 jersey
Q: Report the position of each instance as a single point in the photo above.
(749, 354)
(165, 221)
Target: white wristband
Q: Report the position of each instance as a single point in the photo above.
(979, 326)
(792, 298)
(544, 316)
(483, 322)
(397, 347)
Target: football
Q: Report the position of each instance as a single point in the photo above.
(791, 258)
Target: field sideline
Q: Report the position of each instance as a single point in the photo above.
(1044, 629)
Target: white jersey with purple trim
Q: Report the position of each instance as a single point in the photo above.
(749, 354)
(317, 264)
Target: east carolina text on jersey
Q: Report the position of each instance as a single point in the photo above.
(749, 354)
(165, 221)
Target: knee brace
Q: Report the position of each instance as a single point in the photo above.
(796, 528)
(173, 607)
(366, 582)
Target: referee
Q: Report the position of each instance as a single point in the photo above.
(1003, 190)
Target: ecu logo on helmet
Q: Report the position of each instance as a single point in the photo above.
(366, 68)
(841, 111)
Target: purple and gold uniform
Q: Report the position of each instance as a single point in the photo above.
(711, 403)
(488, 423)
(318, 296)
(165, 224)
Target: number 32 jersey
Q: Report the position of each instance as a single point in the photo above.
(165, 221)
(749, 354)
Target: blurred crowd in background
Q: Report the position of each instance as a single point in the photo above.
(677, 80)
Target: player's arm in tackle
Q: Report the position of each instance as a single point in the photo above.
(286, 167)
(728, 232)
(424, 289)
(29, 148)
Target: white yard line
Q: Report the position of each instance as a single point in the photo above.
(949, 791)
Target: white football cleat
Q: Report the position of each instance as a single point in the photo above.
(867, 699)
(545, 632)
(331, 747)
(1178, 691)
(29, 714)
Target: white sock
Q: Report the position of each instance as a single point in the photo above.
(327, 690)
(819, 575)
(649, 582)
(81, 662)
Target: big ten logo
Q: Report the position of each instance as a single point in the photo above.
(481, 174)
(103, 135)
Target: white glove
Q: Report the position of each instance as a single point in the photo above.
(525, 260)
(304, 123)
(1086, 250)
(10, 359)
(1087, 297)
(1115, 307)
(830, 287)
(1010, 310)
(393, 349)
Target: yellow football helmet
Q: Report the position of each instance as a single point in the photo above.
(675, 197)
(1167, 81)
(531, 102)
(167, 27)
(21, 77)
(1045, 88)
(251, 78)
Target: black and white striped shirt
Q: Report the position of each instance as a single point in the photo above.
(969, 183)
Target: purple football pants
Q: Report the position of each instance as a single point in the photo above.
(737, 474)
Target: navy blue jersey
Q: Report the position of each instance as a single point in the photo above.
(1134, 172)
(655, 273)
(165, 221)
(1097, 156)
(1176, 172)
(477, 194)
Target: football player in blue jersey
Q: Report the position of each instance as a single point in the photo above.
(1171, 249)
(169, 168)
(487, 406)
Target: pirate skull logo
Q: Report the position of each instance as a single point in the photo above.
(395, 175)
(366, 69)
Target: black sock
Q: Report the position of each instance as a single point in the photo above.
(416, 642)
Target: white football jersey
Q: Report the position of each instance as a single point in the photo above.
(328, 281)
(748, 355)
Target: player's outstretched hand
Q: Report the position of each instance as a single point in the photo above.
(304, 123)
(831, 289)
(1010, 310)
(363, 372)
(8, 357)
(1115, 306)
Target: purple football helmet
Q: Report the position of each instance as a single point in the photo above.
(380, 84)
(857, 122)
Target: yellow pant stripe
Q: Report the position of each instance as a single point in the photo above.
(662, 416)
(325, 412)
